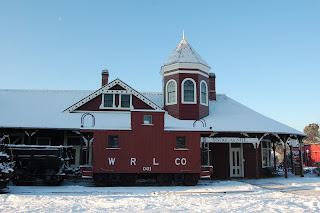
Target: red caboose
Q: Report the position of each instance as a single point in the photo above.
(146, 151)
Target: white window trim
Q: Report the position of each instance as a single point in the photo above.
(195, 92)
(130, 107)
(270, 160)
(114, 102)
(206, 103)
(37, 141)
(175, 102)
(144, 120)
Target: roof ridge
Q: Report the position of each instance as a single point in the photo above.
(45, 90)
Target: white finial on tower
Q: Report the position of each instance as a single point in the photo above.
(183, 37)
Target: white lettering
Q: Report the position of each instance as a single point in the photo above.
(112, 161)
(183, 161)
(133, 161)
(154, 162)
(177, 161)
(146, 169)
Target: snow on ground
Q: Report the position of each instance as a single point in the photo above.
(278, 194)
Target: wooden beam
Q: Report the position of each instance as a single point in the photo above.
(285, 157)
(257, 161)
(274, 156)
(291, 155)
(300, 156)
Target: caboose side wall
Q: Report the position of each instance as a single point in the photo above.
(147, 148)
(146, 153)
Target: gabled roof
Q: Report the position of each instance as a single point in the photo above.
(105, 89)
(42, 109)
(228, 115)
(184, 53)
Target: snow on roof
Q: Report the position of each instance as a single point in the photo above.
(184, 53)
(228, 115)
(43, 109)
(155, 97)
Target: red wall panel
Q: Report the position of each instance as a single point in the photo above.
(152, 148)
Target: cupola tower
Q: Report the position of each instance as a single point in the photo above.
(185, 83)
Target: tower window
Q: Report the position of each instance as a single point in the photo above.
(171, 97)
(189, 91)
(204, 93)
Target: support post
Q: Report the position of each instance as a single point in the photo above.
(300, 156)
(291, 155)
(274, 156)
(257, 161)
(285, 157)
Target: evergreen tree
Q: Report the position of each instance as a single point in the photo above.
(312, 130)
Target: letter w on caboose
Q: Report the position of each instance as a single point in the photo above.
(112, 161)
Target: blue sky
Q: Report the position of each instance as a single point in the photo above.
(265, 53)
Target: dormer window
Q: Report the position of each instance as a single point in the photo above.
(108, 100)
(125, 101)
(204, 93)
(171, 96)
(189, 95)
(116, 101)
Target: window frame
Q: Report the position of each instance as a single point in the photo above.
(268, 149)
(114, 101)
(176, 92)
(206, 85)
(144, 123)
(194, 92)
(113, 147)
(185, 144)
(120, 101)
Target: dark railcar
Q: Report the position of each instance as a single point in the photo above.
(49, 163)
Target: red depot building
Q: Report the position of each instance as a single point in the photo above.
(173, 135)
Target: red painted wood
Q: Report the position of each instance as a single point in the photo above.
(144, 143)
(186, 111)
(220, 160)
(94, 104)
(117, 87)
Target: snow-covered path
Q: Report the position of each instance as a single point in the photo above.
(264, 195)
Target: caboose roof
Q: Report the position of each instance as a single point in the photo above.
(42, 109)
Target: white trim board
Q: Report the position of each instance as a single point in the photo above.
(105, 89)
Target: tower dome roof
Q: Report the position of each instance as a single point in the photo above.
(184, 53)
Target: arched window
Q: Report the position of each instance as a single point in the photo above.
(189, 91)
(171, 96)
(204, 93)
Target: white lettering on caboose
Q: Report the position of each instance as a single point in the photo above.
(112, 161)
(181, 161)
(154, 162)
(133, 161)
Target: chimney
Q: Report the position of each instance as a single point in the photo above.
(212, 86)
(105, 76)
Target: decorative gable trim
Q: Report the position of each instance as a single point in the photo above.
(105, 90)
